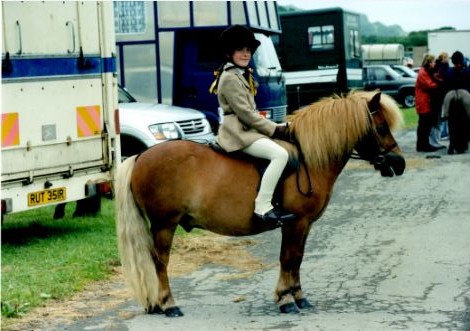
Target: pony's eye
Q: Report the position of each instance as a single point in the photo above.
(382, 130)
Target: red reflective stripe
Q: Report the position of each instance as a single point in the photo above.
(117, 123)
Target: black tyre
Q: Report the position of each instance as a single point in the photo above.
(130, 146)
(408, 100)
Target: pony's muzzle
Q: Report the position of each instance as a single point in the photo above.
(390, 164)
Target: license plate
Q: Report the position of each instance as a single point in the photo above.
(47, 196)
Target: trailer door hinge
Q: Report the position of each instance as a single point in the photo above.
(7, 67)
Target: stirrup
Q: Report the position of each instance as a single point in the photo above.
(278, 216)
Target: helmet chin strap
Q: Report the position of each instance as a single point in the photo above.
(239, 66)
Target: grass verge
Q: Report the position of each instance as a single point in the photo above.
(410, 117)
(44, 258)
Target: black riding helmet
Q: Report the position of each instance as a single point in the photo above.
(237, 37)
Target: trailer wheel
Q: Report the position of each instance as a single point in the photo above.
(88, 207)
(59, 211)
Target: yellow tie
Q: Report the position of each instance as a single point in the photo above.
(248, 74)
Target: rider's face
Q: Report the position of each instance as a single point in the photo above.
(242, 56)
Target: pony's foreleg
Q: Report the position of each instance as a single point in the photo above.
(288, 295)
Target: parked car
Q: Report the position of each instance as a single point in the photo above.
(387, 80)
(146, 124)
(404, 71)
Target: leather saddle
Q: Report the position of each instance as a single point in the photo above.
(261, 164)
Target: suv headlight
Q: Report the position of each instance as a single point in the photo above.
(165, 131)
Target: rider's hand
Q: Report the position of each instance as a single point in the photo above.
(281, 133)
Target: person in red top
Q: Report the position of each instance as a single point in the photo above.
(425, 86)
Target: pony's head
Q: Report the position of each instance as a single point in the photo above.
(330, 129)
(378, 145)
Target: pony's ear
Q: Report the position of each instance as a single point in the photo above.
(374, 103)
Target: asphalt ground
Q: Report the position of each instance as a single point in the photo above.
(388, 254)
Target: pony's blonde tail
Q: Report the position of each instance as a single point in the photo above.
(134, 240)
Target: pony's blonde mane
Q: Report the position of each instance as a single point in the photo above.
(328, 129)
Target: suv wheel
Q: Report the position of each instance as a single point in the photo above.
(130, 146)
(409, 100)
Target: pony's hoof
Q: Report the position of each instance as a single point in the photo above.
(303, 303)
(173, 312)
(289, 308)
(154, 310)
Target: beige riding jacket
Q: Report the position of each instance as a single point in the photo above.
(242, 124)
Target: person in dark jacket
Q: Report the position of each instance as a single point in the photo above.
(458, 76)
(456, 105)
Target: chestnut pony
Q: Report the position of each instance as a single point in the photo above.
(192, 185)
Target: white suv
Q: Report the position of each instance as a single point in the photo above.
(146, 124)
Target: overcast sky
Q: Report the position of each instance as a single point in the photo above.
(411, 15)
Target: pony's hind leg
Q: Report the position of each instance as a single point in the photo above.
(163, 239)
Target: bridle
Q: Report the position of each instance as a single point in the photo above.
(378, 157)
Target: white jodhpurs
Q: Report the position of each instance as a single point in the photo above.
(267, 149)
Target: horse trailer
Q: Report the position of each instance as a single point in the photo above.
(60, 136)
(383, 54)
(320, 53)
(449, 41)
(168, 52)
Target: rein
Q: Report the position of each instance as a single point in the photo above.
(309, 191)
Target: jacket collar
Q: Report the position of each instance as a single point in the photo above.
(229, 66)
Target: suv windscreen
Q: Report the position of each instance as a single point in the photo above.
(265, 57)
(404, 71)
(381, 74)
(124, 96)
